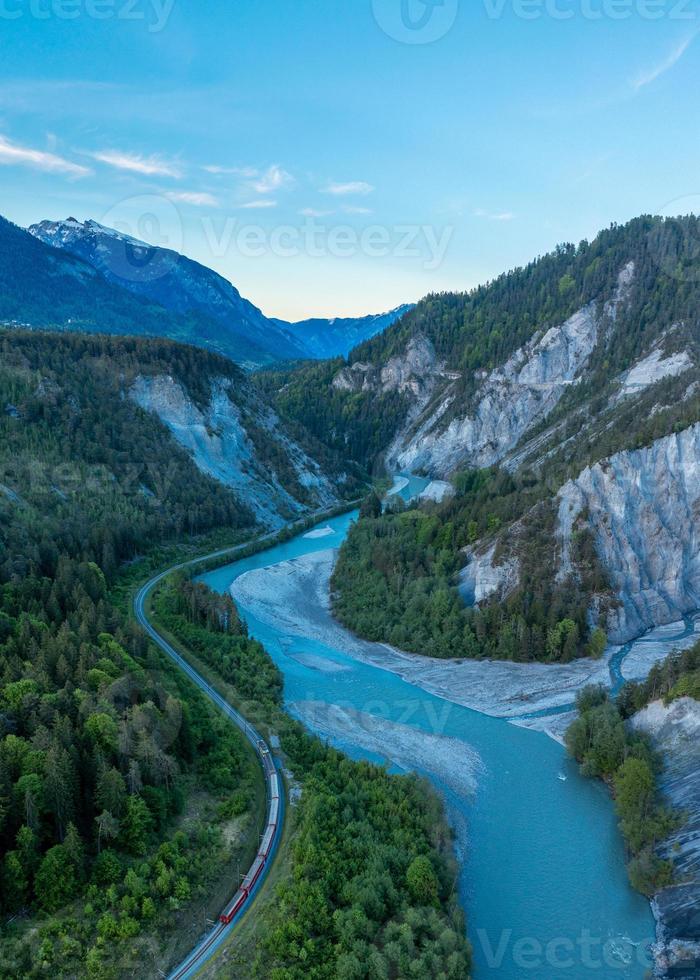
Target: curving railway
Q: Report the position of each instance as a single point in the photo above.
(243, 897)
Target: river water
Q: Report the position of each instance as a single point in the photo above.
(542, 873)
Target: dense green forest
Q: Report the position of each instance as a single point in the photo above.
(101, 747)
(372, 887)
(396, 577)
(607, 748)
(352, 425)
(76, 453)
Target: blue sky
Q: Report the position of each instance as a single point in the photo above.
(338, 158)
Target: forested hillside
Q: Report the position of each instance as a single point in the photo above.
(102, 747)
(396, 578)
(483, 389)
(549, 507)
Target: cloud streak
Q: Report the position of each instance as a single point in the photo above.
(14, 154)
(351, 187)
(152, 166)
(274, 179)
(248, 172)
(264, 203)
(494, 216)
(200, 200)
(652, 74)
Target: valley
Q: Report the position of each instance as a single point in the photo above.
(349, 491)
(539, 545)
(497, 779)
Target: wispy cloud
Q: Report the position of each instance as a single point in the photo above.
(152, 166)
(200, 200)
(274, 179)
(12, 153)
(494, 216)
(248, 172)
(263, 203)
(353, 209)
(314, 213)
(351, 187)
(651, 75)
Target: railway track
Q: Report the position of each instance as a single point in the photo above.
(246, 891)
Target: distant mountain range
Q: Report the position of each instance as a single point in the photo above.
(209, 310)
(335, 338)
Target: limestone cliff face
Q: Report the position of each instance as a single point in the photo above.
(675, 732)
(482, 578)
(510, 400)
(644, 509)
(221, 447)
(414, 372)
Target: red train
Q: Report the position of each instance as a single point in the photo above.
(268, 839)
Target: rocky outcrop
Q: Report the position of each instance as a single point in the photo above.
(482, 578)
(644, 509)
(675, 732)
(220, 446)
(437, 491)
(414, 372)
(510, 400)
(655, 368)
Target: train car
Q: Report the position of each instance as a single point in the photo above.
(267, 840)
(258, 865)
(235, 907)
(273, 816)
(254, 873)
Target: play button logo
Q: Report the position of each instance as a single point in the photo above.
(415, 21)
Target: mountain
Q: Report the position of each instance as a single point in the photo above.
(544, 359)
(178, 284)
(326, 339)
(221, 318)
(156, 405)
(43, 287)
(558, 412)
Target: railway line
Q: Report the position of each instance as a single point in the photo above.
(275, 806)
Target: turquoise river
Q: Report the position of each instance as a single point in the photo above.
(543, 879)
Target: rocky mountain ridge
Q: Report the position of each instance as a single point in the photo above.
(227, 322)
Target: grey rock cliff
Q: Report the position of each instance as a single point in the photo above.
(510, 400)
(644, 509)
(675, 732)
(220, 446)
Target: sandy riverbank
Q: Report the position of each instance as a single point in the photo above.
(294, 596)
